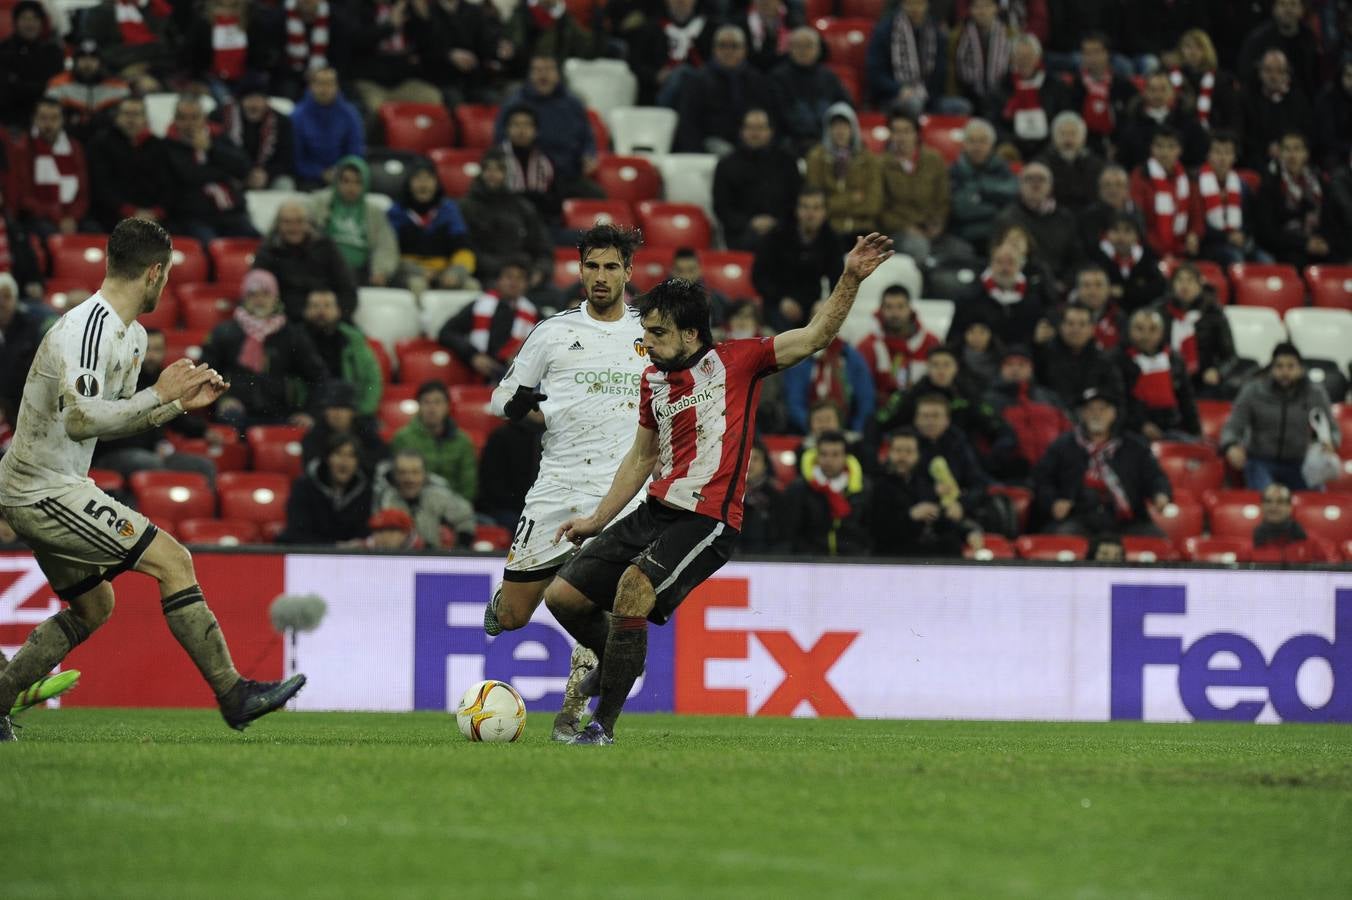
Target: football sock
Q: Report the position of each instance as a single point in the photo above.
(4, 661)
(196, 630)
(626, 653)
(591, 629)
(46, 646)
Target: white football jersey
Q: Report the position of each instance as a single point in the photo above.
(590, 371)
(88, 353)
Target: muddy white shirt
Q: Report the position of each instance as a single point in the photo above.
(591, 372)
(87, 361)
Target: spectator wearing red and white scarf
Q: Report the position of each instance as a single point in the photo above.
(1163, 192)
(906, 59)
(1099, 95)
(1132, 267)
(264, 135)
(768, 24)
(487, 333)
(385, 66)
(1219, 202)
(133, 36)
(228, 44)
(1160, 399)
(897, 350)
(1205, 88)
(826, 511)
(50, 177)
(1289, 212)
(1197, 331)
(1005, 297)
(1032, 98)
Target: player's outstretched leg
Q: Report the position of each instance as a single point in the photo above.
(44, 689)
(49, 643)
(625, 656)
(589, 625)
(195, 628)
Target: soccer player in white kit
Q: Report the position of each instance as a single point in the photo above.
(82, 387)
(577, 376)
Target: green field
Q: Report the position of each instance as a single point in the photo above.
(111, 803)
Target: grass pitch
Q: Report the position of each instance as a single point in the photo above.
(113, 803)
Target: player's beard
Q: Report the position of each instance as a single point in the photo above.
(675, 364)
(151, 298)
(606, 301)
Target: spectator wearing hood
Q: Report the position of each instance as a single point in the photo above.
(899, 348)
(206, 177)
(229, 45)
(305, 260)
(134, 36)
(433, 435)
(433, 239)
(335, 413)
(847, 172)
(265, 136)
(805, 89)
(127, 169)
(1032, 412)
(1055, 236)
(331, 502)
(906, 60)
(327, 128)
(1095, 480)
(717, 97)
(838, 374)
(87, 93)
(406, 484)
(564, 131)
(51, 181)
(915, 192)
(29, 59)
(356, 224)
(343, 349)
(1198, 332)
(1160, 401)
(266, 359)
(756, 185)
(503, 224)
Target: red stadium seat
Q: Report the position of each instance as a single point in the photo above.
(79, 256)
(469, 409)
(944, 135)
(474, 121)
(675, 224)
(873, 126)
(863, 9)
(276, 448)
(107, 480)
(583, 214)
(630, 178)
(1211, 273)
(1020, 497)
(423, 359)
(1148, 549)
(1057, 547)
(1343, 413)
(397, 406)
(850, 80)
(1181, 519)
(1347, 551)
(995, 546)
(417, 127)
(167, 311)
(728, 272)
(492, 537)
(259, 497)
(1325, 516)
(456, 168)
(382, 360)
(566, 267)
(652, 266)
(1275, 286)
(227, 457)
(232, 258)
(60, 294)
(582, 11)
(1192, 466)
(1235, 518)
(222, 532)
(149, 478)
(1213, 414)
(600, 133)
(184, 343)
(207, 305)
(817, 9)
(846, 40)
(190, 261)
(169, 503)
(1330, 285)
(1252, 178)
(782, 450)
(1218, 550)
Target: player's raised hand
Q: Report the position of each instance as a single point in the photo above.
(577, 529)
(868, 254)
(180, 377)
(206, 393)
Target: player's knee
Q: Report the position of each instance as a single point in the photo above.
(635, 595)
(168, 561)
(562, 598)
(94, 607)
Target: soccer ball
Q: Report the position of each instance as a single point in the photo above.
(491, 711)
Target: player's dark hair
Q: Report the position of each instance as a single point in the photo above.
(433, 387)
(834, 436)
(901, 289)
(135, 245)
(684, 302)
(603, 237)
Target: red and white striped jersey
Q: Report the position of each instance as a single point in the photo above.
(705, 419)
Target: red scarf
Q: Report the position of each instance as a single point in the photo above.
(1107, 334)
(1155, 385)
(1303, 191)
(524, 318)
(1024, 108)
(230, 46)
(393, 44)
(6, 260)
(1099, 475)
(55, 173)
(1170, 220)
(1004, 296)
(1224, 205)
(894, 354)
(836, 500)
(543, 18)
(829, 380)
(1125, 262)
(1098, 104)
(233, 128)
(1183, 333)
(307, 47)
(132, 25)
(1206, 87)
(256, 331)
(681, 47)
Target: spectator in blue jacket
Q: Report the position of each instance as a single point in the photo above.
(327, 127)
(838, 374)
(566, 135)
(434, 241)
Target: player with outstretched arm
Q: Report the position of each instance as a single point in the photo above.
(82, 387)
(576, 376)
(697, 419)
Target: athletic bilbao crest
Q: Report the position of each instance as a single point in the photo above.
(87, 386)
(706, 367)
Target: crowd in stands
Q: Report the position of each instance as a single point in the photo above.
(1119, 321)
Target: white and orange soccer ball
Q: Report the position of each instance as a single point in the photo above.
(491, 711)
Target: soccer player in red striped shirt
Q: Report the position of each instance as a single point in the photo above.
(696, 421)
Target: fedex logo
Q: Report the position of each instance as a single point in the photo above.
(448, 612)
(803, 670)
(25, 598)
(1244, 664)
